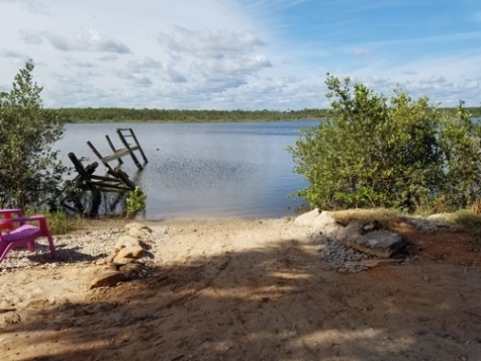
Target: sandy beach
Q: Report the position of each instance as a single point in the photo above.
(243, 290)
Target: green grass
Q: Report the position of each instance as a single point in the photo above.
(58, 222)
(383, 216)
(467, 221)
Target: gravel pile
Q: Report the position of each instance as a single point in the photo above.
(85, 249)
(339, 256)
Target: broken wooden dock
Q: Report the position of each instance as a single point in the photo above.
(129, 149)
(114, 181)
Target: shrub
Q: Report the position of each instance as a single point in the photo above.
(392, 153)
(135, 202)
(30, 171)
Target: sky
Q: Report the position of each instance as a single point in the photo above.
(240, 54)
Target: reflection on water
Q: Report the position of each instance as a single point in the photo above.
(204, 170)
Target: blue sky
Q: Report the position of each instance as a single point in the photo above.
(240, 54)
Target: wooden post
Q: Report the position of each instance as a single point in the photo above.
(127, 146)
(137, 144)
(113, 148)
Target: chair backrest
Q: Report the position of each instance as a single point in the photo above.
(8, 214)
(18, 232)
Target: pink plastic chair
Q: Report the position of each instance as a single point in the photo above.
(16, 232)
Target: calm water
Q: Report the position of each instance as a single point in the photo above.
(204, 170)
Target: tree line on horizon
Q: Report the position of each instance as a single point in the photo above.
(94, 115)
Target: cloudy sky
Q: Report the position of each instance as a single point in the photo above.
(239, 54)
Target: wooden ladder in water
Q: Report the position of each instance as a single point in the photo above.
(117, 154)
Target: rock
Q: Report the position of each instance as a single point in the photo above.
(129, 252)
(353, 230)
(306, 219)
(110, 258)
(382, 244)
(138, 225)
(118, 262)
(372, 226)
(108, 279)
(326, 224)
(429, 225)
(127, 241)
(12, 318)
(138, 232)
(439, 216)
(132, 270)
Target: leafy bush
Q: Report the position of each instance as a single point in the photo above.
(392, 153)
(30, 171)
(135, 202)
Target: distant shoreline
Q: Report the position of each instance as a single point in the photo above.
(124, 115)
(131, 115)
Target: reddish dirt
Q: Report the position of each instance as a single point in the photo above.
(246, 290)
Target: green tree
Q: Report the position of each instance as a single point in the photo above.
(30, 170)
(396, 153)
(460, 142)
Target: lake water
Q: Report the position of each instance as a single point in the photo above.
(204, 170)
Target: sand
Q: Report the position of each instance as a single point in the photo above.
(251, 290)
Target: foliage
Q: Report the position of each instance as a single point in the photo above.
(30, 171)
(469, 222)
(135, 202)
(79, 115)
(460, 141)
(58, 222)
(393, 153)
(382, 216)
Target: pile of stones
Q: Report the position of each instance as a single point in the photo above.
(127, 261)
(353, 248)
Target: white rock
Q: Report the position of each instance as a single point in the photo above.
(326, 224)
(138, 232)
(127, 241)
(306, 219)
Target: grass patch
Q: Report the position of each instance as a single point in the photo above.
(58, 222)
(383, 216)
(469, 221)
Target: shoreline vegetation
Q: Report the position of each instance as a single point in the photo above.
(131, 115)
(107, 115)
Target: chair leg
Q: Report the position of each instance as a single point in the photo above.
(3, 250)
(31, 246)
(53, 252)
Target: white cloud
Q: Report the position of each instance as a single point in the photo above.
(146, 64)
(207, 44)
(79, 64)
(29, 37)
(89, 40)
(109, 58)
(225, 54)
(361, 52)
(174, 76)
(32, 6)
(12, 54)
